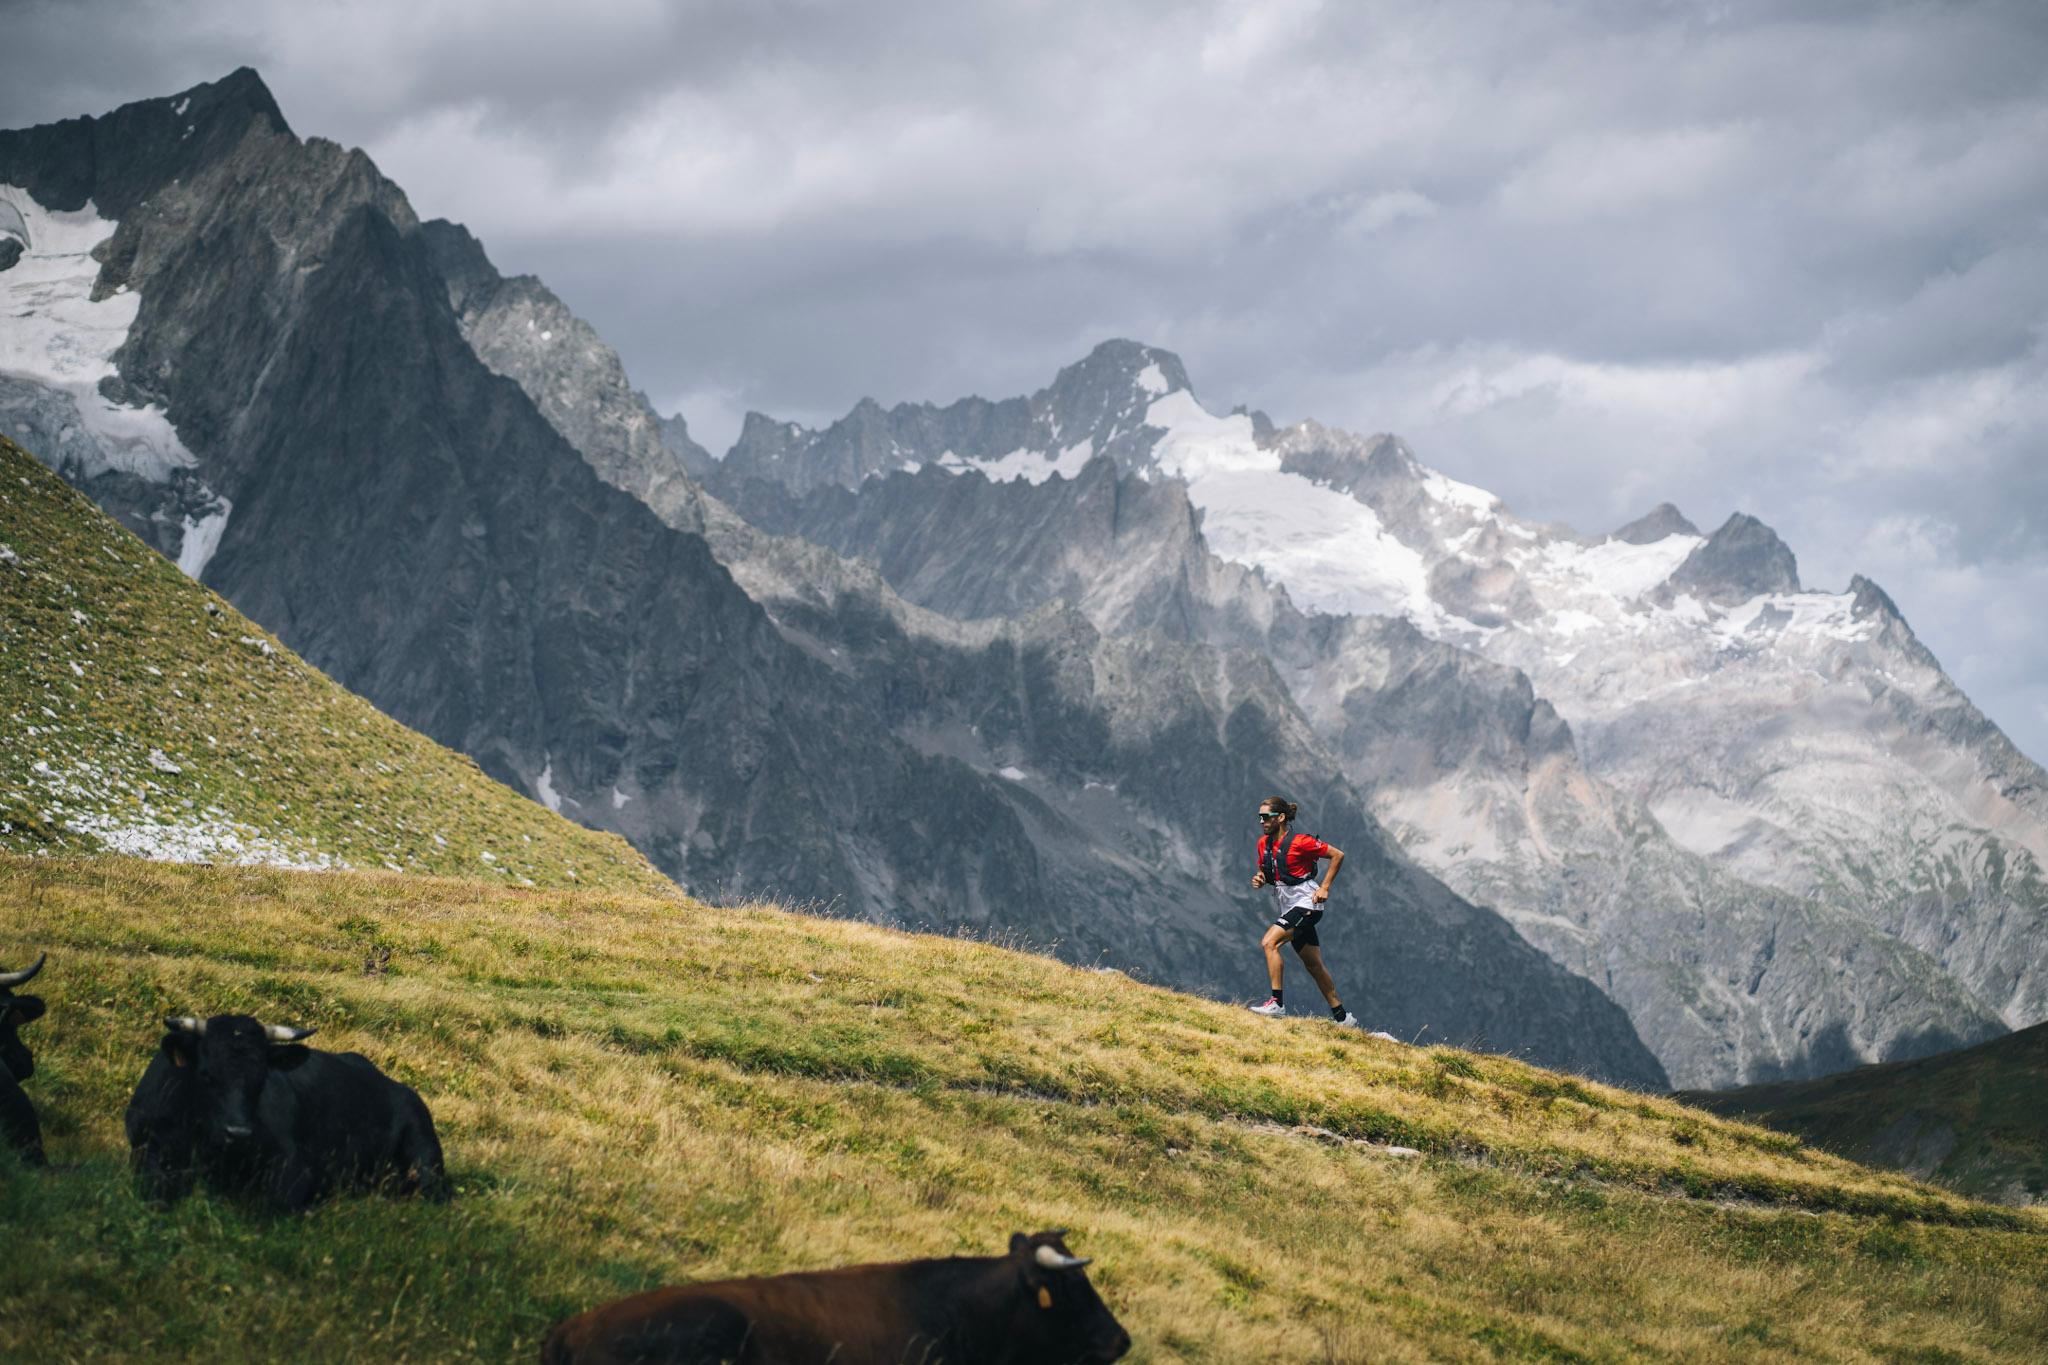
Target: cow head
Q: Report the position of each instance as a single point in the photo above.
(1071, 1319)
(231, 1056)
(16, 1010)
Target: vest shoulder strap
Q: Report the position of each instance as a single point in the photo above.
(1279, 854)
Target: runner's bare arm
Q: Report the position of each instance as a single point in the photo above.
(1336, 861)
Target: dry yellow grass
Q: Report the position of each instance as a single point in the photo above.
(637, 1090)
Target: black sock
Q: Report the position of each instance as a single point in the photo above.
(1276, 996)
(1337, 1013)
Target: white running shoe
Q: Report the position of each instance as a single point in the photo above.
(1349, 1021)
(1386, 1037)
(1272, 1009)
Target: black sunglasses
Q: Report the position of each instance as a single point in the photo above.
(1269, 815)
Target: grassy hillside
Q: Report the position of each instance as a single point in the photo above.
(1975, 1120)
(144, 715)
(638, 1090)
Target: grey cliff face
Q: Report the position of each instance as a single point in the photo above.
(1347, 463)
(1126, 550)
(520, 330)
(1481, 779)
(422, 511)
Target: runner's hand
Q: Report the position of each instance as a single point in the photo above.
(1258, 880)
(1322, 894)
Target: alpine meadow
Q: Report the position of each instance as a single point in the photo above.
(485, 875)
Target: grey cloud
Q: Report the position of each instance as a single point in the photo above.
(1791, 258)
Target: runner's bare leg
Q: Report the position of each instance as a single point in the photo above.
(1275, 936)
(1312, 958)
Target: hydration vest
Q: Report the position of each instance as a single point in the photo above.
(1273, 862)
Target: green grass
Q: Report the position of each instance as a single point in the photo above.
(638, 1090)
(143, 714)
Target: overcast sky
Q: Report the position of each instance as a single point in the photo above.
(1787, 258)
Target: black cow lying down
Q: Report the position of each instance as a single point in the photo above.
(242, 1105)
(19, 1129)
(1032, 1306)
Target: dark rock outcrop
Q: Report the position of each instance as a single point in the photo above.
(1654, 525)
(1739, 561)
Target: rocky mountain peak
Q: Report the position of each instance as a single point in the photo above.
(1114, 368)
(1349, 463)
(1659, 522)
(117, 160)
(460, 257)
(1872, 600)
(769, 448)
(1263, 430)
(237, 96)
(675, 435)
(1105, 399)
(1741, 560)
(1098, 406)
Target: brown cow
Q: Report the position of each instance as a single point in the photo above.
(1031, 1307)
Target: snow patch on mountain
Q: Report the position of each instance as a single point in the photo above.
(1030, 465)
(1470, 497)
(58, 336)
(544, 787)
(106, 799)
(1565, 572)
(202, 538)
(1824, 616)
(1329, 550)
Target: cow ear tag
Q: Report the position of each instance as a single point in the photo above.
(1044, 1297)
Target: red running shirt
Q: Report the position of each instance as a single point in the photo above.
(1303, 854)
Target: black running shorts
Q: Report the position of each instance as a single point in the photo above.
(1300, 923)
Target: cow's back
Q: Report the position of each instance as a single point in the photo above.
(337, 1112)
(338, 1099)
(669, 1326)
(858, 1315)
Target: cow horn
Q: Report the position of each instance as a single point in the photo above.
(185, 1023)
(1050, 1258)
(285, 1033)
(9, 980)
